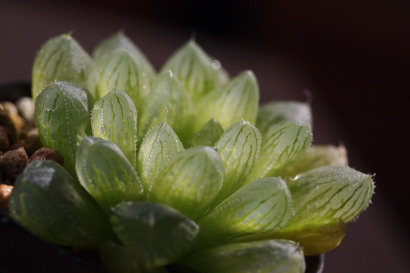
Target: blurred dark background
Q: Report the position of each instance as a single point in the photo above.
(352, 56)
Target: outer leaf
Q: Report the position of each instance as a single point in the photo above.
(314, 239)
(194, 69)
(106, 173)
(157, 150)
(121, 71)
(263, 205)
(62, 118)
(208, 135)
(328, 195)
(119, 41)
(273, 256)
(190, 182)
(159, 234)
(283, 111)
(114, 118)
(239, 149)
(168, 101)
(315, 157)
(281, 146)
(60, 58)
(232, 102)
(324, 200)
(50, 203)
(122, 259)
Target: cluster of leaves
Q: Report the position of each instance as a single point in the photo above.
(172, 170)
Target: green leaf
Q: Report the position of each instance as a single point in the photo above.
(239, 149)
(168, 102)
(121, 71)
(60, 59)
(283, 111)
(272, 256)
(50, 203)
(119, 41)
(190, 182)
(314, 239)
(106, 174)
(324, 200)
(157, 150)
(195, 69)
(232, 102)
(114, 118)
(208, 135)
(122, 259)
(262, 205)
(329, 195)
(158, 233)
(317, 156)
(62, 118)
(281, 146)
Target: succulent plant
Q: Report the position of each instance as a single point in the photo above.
(179, 169)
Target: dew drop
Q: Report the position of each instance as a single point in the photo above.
(216, 65)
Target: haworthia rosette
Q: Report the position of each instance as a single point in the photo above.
(232, 102)
(119, 41)
(262, 205)
(121, 71)
(62, 118)
(270, 256)
(238, 148)
(60, 59)
(195, 69)
(106, 174)
(169, 102)
(159, 234)
(190, 182)
(317, 156)
(208, 135)
(114, 118)
(283, 111)
(329, 194)
(281, 145)
(157, 150)
(50, 203)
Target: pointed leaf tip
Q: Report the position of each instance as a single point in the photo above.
(62, 118)
(114, 118)
(238, 148)
(60, 59)
(237, 100)
(193, 67)
(157, 150)
(330, 194)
